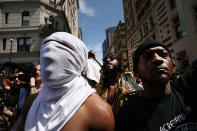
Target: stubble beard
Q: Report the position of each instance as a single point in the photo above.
(111, 71)
(155, 80)
(160, 81)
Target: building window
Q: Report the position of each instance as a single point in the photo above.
(23, 44)
(4, 43)
(146, 28)
(148, 3)
(195, 12)
(52, 2)
(153, 37)
(151, 22)
(137, 4)
(139, 17)
(119, 46)
(45, 20)
(132, 44)
(56, 26)
(25, 18)
(172, 4)
(177, 28)
(6, 17)
(51, 22)
(141, 33)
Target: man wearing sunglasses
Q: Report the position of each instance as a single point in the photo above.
(114, 85)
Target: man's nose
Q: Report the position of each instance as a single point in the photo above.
(108, 59)
(157, 58)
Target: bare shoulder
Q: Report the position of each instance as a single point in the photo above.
(95, 114)
(96, 103)
(100, 113)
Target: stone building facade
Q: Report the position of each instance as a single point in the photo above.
(108, 42)
(24, 24)
(172, 22)
(115, 42)
(120, 45)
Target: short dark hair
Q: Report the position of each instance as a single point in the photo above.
(142, 47)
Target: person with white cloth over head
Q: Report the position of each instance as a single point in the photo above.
(67, 102)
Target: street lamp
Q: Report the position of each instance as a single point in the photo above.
(11, 43)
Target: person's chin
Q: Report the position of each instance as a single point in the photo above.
(38, 77)
(158, 74)
(165, 76)
(160, 79)
(109, 68)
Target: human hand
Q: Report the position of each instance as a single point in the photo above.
(7, 87)
(91, 54)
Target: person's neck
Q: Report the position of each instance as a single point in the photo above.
(155, 91)
(39, 84)
(112, 78)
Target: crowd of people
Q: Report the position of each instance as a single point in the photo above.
(26, 80)
(73, 91)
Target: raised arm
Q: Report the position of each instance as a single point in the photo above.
(92, 54)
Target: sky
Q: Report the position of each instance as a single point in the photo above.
(94, 17)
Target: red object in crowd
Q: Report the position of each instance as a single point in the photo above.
(7, 80)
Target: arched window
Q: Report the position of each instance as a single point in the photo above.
(25, 18)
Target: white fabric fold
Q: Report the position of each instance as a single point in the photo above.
(93, 70)
(62, 58)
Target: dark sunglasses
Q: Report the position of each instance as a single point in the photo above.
(111, 57)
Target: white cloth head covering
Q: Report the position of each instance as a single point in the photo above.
(62, 58)
(93, 71)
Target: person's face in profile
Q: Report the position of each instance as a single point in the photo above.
(38, 77)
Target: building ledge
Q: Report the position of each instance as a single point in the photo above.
(19, 54)
(21, 28)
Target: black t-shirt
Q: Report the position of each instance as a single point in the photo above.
(173, 112)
